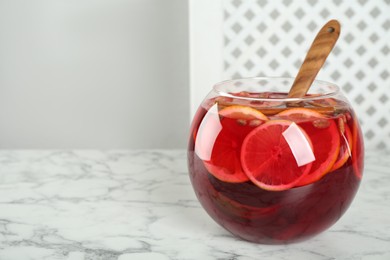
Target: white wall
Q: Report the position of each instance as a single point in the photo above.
(93, 74)
(206, 46)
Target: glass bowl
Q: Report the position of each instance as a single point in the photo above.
(272, 169)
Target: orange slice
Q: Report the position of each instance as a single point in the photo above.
(324, 135)
(241, 112)
(345, 147)
(268, 160)
(234, 124)
(357, 149)
(241, 212)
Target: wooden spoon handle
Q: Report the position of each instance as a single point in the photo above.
(315, 58)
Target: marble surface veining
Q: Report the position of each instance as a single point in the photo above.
(111, 205)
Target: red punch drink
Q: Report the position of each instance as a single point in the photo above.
(272, 169)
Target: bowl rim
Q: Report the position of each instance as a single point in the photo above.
(334, 90)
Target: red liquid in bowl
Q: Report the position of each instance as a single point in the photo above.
(220, 169)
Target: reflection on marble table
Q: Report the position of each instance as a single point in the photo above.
(139, 204)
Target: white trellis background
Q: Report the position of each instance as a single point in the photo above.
(271, 38)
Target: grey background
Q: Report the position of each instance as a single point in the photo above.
(93, 74)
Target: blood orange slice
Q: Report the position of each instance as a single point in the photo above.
(357, 149)
(268, 159)
(243, 113)
(324, 135)
(235, 122)
(345, 146)
(241, 212)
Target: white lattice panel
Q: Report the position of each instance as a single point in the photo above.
(271, 38)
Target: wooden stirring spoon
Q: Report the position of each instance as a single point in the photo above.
(315, 58)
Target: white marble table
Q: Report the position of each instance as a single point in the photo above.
(140, 205)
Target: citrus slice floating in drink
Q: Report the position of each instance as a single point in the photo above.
(345, 146)
(241, 212)
(324, 135)
(242, 113)
(357, 150)
(268, 159)
(235, 123)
